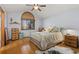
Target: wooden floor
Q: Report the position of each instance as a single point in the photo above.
(76, 50)
(22, 46)
(25, 46)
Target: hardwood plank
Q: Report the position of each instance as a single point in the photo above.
(23, 46)
(76, 50)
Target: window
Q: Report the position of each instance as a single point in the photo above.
(27, 21)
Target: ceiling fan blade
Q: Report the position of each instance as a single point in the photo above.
(29, 4)
(39, 9)
(32, 9)
(42, 5)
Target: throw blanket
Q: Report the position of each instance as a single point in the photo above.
(45, 40)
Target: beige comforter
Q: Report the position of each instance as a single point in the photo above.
(45, 39)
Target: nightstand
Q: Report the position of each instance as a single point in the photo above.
(71, 41)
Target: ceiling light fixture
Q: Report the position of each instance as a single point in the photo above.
(35, 6)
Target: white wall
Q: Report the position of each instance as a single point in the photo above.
(62, 15)
(68, 18)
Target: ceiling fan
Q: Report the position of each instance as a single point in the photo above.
(36, 6)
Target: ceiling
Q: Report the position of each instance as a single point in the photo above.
(50, 9)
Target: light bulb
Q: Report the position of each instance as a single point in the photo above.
(36, 7)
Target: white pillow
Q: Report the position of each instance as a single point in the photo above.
(55, 29)
(48, 29)
(51, 29)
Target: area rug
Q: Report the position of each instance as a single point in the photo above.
(56, 50)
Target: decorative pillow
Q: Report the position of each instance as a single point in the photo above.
(48, 29)
(55, 29)
(41, 29)
(51, 29)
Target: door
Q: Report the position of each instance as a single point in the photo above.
(2, 27)
(0, 31)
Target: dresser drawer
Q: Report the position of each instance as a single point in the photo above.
(71, 44)
(14, 38)
(15, 34)
(71, 37)
(72, 41)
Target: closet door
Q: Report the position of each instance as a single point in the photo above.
(2, 28)
(0, 31)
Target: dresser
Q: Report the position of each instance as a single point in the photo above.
(15, 33)
(71, 41)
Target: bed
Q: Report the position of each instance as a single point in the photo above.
(45, 40)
